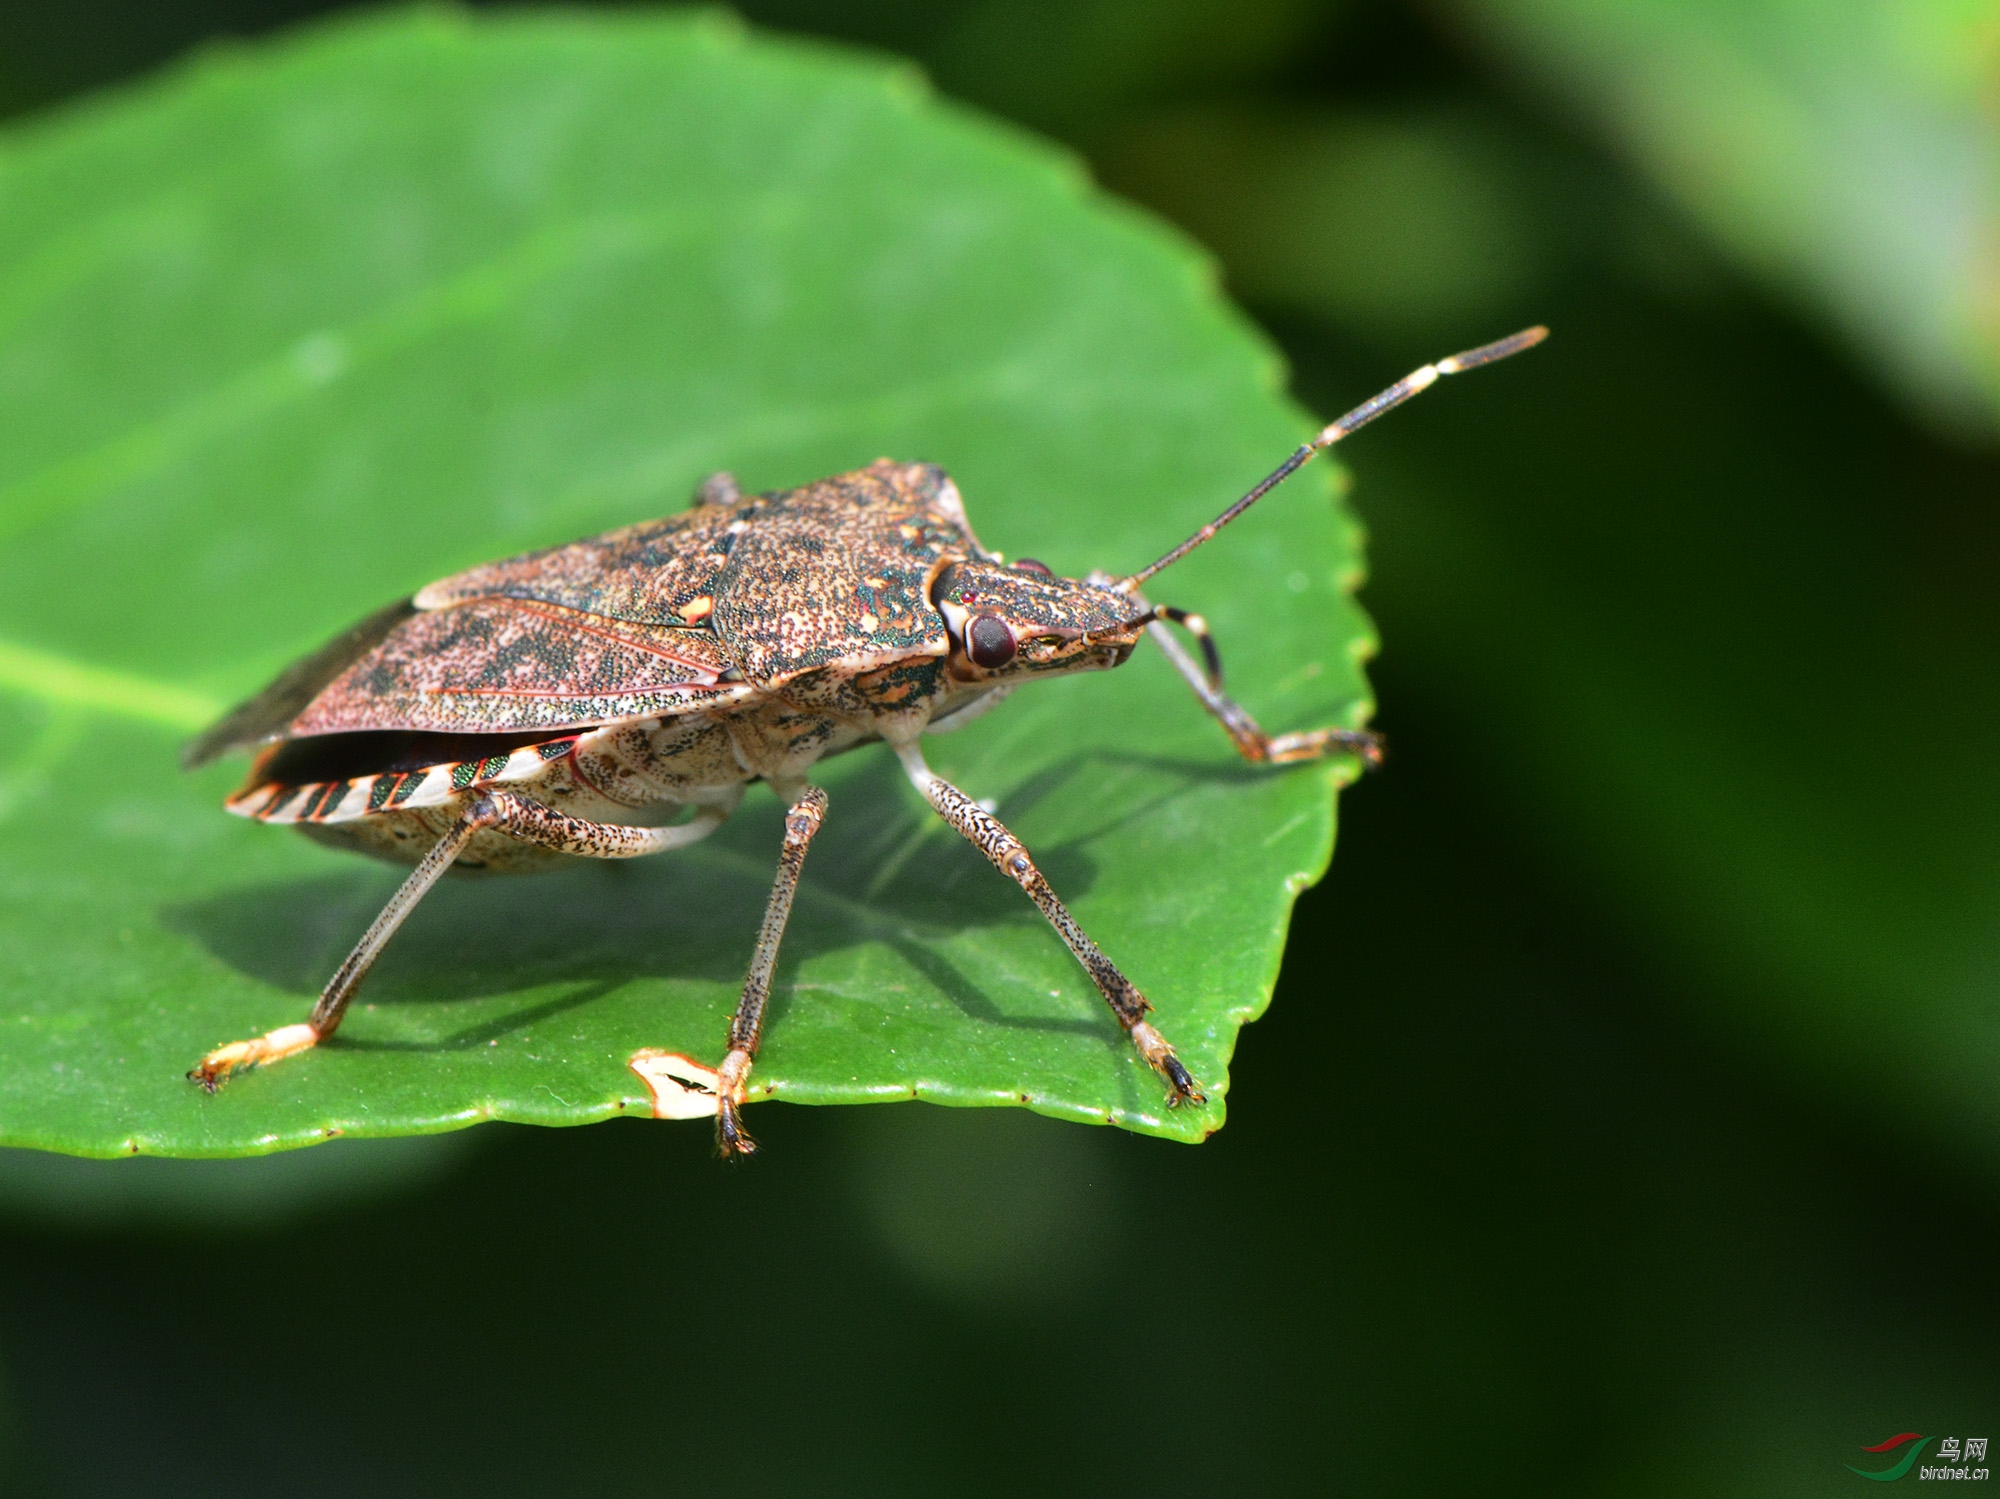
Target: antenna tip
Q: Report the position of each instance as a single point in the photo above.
(1500, 348)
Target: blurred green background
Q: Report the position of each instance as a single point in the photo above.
(1628, 1119)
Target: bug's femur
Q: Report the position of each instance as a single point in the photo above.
(1030, 565)
(989, 642)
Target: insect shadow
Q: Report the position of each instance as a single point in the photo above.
(885, 870)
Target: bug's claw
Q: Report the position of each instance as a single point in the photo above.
(213, 1070)
(1181, 1085)
(1182, 1082)
(732, 1140)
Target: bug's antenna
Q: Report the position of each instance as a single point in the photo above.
(1360, 416)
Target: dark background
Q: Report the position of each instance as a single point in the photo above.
(1517, 1194)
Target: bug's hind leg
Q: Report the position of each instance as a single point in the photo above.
(986, 833)
(746, 1026)
(1205, 677)
(515, 815)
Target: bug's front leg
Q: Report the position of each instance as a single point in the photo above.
(1205, 677)
(515, 815)
(746, 1026)
(990, 836)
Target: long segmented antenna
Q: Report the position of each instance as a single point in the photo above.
(1360, 416)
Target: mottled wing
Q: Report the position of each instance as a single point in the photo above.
(660, 572)
(269, 714)
(500, 665)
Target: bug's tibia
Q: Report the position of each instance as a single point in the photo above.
(214, 1069)
(746, 1026)
(1004, 851)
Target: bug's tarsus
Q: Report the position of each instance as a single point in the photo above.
(1005, 852)
(746, 1026)
(1183, 1085)
(1387, 400)
(1244, 731)
(732, 1141)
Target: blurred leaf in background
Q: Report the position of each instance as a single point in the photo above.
(1064, 65)
(1390, 226)
(1846, 152)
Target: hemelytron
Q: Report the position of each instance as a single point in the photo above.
(555, 705)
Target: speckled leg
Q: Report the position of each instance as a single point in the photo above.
(987, 834)
(505, 811)
(1205, 677)
(746, 1027)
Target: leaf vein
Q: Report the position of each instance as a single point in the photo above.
(312, 362)
(61, 680)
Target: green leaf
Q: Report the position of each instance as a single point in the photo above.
(300, 328)
(1846, 152)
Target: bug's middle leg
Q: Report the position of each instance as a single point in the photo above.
(990, 836)
(1205, 677)
(510, 813)
(746, 1026)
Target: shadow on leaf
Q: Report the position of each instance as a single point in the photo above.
(884, 871)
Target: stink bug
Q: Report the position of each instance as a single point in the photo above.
(533, 709)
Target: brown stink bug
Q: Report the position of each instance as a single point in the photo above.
(535, 708)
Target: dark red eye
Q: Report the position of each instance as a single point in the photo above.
(989, 642)
(1030, 565)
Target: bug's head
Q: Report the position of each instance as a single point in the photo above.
(1009, 623)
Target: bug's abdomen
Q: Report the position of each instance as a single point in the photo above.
(336, 798)
(394, 795)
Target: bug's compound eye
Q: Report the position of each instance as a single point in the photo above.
(989, 642)
(1030, 565)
